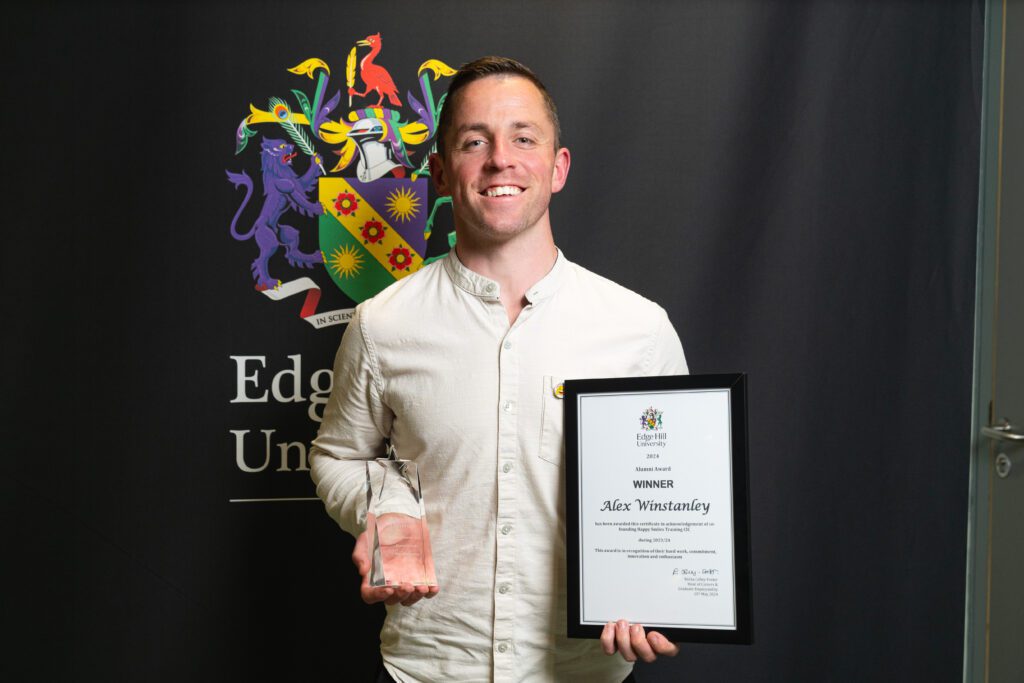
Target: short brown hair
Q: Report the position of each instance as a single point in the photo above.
(482, 68)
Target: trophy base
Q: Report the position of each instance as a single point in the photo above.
(399, 550)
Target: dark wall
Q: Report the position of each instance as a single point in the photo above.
(794, 182)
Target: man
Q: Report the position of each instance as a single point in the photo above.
(459, 366)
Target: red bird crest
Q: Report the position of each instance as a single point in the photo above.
(375, 77)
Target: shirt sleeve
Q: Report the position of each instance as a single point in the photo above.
(355, 425)
(666, 354)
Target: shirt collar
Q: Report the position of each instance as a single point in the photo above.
(484, 287)
(548, 284)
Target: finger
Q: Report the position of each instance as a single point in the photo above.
(662, 645)
(638, 639)
(360, 561)
(416, 595)
(432, 591)
(370, 594)
(360, 555)
(402, 592)
(608, 638)
(374, 594)
(622, 641)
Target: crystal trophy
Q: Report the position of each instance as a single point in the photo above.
(396, 525)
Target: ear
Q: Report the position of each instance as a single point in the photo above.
(438, 175)
(560, 173)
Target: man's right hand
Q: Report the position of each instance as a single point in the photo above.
(405, 594)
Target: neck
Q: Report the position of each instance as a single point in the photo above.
(369, 57)
(515, 266)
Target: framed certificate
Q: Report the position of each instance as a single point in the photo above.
(657, 506)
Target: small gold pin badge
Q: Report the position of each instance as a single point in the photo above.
(558, 390)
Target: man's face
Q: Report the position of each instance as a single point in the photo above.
(500, 166)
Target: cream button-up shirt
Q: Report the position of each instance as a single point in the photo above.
(432, 364)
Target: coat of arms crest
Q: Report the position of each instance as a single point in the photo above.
(372, 208)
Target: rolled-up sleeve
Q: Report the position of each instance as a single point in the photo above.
(355, 425)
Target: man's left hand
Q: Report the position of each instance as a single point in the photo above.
(630, 641)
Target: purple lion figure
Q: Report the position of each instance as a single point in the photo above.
(284, 190)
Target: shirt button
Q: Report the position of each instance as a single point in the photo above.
(507, 407)
(507, 345)
(506, 530)
(504, 588)
(489, 288)
(502, 647)
(506, 468)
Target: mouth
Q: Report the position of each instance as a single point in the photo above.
(502, 191)
(287, 158)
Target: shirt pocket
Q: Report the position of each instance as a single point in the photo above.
(552, 445)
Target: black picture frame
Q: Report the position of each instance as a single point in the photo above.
(736, 385)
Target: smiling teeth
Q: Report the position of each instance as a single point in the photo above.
(502, 191)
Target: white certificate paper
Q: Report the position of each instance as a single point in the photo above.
(655, 509)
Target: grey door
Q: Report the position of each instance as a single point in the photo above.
(995, 631)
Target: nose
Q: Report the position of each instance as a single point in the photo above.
(501, 154)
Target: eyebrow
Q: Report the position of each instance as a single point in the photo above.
(483, 128)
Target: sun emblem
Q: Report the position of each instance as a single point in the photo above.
(346, 203)
(373, 232)
(650, 419)
(403, 204)
(346, 261)
(400, 259)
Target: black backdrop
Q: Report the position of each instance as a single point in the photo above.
(794, 182)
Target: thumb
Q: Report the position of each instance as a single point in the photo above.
(662, 645)
(360, 558)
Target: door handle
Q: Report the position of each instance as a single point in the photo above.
(1004, 431)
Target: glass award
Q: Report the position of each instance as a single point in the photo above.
(396, 525)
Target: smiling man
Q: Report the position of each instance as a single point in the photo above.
(460, 367)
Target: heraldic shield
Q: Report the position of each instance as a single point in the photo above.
(372, 234)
